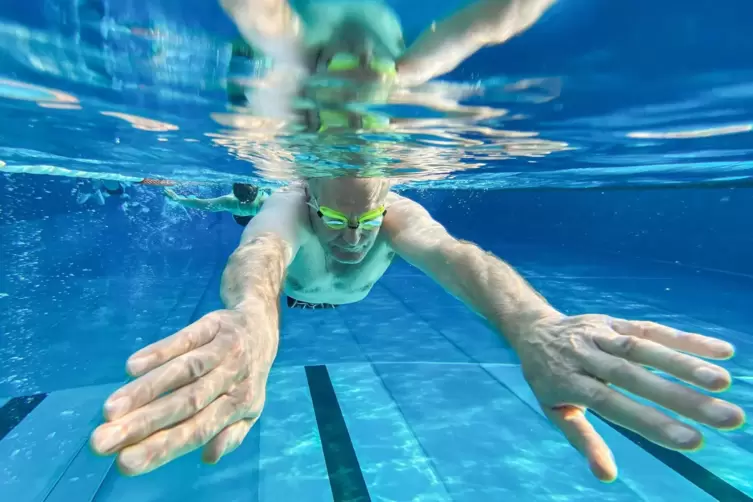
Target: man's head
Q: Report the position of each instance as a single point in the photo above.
(346, 214)
(358, 40)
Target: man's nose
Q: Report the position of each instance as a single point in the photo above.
(351, 236)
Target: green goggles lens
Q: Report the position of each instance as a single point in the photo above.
(338, 221)
(344, 62)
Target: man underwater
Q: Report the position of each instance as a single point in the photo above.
(325, 242)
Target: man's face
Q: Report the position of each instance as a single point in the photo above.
(352, 197)
(355, 51)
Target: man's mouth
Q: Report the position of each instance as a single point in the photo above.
(348, 249)
(347, 256)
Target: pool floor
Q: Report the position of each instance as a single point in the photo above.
(408, 396)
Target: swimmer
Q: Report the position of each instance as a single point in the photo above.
(243, 203)
(322, 243)
(102, 189)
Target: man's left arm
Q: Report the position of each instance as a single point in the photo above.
(574, 363)
(483, 282)
(446, 44)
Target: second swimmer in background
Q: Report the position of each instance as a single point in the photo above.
(243, 203)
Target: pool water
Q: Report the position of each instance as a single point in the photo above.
(631, 199)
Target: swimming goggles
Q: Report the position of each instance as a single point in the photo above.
(370, 220)
(339, 120)
(343, 61)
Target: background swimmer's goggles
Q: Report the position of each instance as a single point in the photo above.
(342, 61)
(336, 220)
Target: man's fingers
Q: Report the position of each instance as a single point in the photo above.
(252, 395)
(693, 343)
(166, 445)
(169, 410)
(645, 420)
(228, 440)
(649, 353)
(197, 334)
(572, 421)
(671, 395)
(175, 374)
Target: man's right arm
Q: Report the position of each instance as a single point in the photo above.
(255, 272)
(204, 386)
(224, 203)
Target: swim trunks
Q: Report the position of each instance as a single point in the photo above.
(297, 304)
(242, 220)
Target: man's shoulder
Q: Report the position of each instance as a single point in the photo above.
(292, 199)
(283, 213)
(401, 202)
(405, 214)
(293, 193)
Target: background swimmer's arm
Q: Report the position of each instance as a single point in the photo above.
(443, 46)
(255, 272)
(271, 26)
(225, 203)
(486, 284)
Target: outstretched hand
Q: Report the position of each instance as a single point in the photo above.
(580, 362)
(203, 386)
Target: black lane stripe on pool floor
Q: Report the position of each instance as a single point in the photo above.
(686, 467)
(15, 410)
(345, 475)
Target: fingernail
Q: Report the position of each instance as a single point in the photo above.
(107, 439)
(117, 407)
(709, 376)
(137, 366)
(133, 458)
(682, 435)
(722, 348)
(723, 414)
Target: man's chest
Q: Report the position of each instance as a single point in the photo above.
(314, 278)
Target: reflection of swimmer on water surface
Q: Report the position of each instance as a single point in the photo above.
(362, 42)
(243, 203)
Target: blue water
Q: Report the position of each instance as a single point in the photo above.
(624, 191)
